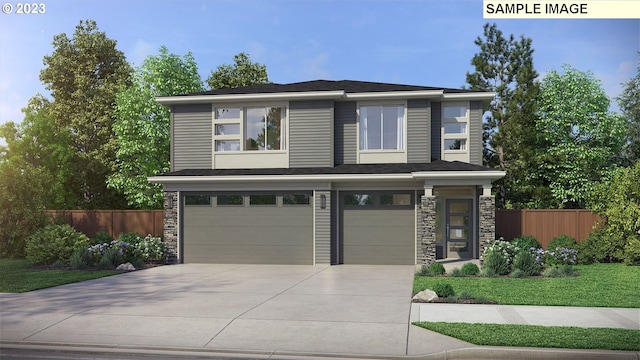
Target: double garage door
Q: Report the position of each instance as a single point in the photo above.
(248, 229)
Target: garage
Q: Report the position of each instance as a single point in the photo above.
(241, 228)
(378, 228)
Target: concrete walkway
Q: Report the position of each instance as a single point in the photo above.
(261, 311)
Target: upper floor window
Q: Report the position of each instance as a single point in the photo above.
(455, 125)
(249, 129)
(382, 127)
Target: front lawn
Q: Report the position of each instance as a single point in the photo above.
(600, 285)
(568, 337)
(16, 276)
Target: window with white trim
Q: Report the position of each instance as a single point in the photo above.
(455, 125)
(249, 128)
(381, 127)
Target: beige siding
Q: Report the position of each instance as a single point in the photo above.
(310, 130)
(418, 126)
(191, 135)
(436, 135)
(345, 139)
(475, 133)
(322, 228)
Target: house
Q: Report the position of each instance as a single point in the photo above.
(327, 172)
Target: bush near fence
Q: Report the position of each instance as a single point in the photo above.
(545, 224)
(114, 222)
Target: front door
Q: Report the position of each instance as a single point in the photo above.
(458, 231)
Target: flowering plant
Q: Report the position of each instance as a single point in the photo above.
(151, 248)
(505, 248)
(557, 256)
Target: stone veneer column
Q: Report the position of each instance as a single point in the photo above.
(427, 230)
(171, 226)
(487, 226)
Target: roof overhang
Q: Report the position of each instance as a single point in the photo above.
(487, 95)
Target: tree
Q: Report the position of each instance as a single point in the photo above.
(629, 102)
(243, 73)
(40, 144)
(579, 135)
(505, 66)
(142, 125)
(84, 74)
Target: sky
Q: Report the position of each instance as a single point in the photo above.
(417, 42)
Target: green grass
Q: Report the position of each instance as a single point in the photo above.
(539, 336)
(17, 277)
(600, 285)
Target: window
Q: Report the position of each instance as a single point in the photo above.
(296, 199)
(381, 127)
(225, 200)
(455, 128)
(455, 125)
(455, 111)
(263, 128)
(227, 113)
(227, 145)
(197, 200)
(359, 199)
(455, 144)
(228, 129)
(395, 199)
(262, 200)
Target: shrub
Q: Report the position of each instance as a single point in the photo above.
(488, 272)
(58, 264)
(81, 259)
(631, 254)
(151, 249)
(517, 273)
(101, 238)
(457, 272)
(562, 256)
(110, 259)
(526, 242)
(505, 249)
(54, 242)
(470, 269)
(496, 263)
(562, 241)
(465, 295)
(526, 262)
(127, 251)
(559, 271)
(130, 238)
(424, 271)
(443, 289)
(437, 269)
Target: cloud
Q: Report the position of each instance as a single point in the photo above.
(140, 51)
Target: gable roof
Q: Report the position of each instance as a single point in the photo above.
(348, 86)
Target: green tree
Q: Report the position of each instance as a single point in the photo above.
(243, 72)
(39, 143)
(84, 74)
(505, 66)
(618, 201)
(629, 102)
(142, 125)
(579, 135)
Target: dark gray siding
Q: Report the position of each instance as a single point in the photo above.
(310, 130)
(418, 127)
(345, 138)
(192, 139)
(475, 133)
(436, 123)
(323, 227)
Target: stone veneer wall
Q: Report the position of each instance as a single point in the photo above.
(170, 231)
(487, 226)
(427, 230)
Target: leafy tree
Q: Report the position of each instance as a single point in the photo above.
(579, 136)
(39, 143)
(243, 72)
(618, 202)
(142, 125)
(629, 102)
(21, 205)
(505, 66)
(84, 74)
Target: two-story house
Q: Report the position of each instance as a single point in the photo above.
(327, 172)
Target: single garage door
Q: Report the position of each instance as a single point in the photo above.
(233, 228)
(378, 228)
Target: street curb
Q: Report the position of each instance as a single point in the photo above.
(479, 353)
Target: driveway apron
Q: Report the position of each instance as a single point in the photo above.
(276, 308)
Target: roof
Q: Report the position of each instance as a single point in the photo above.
(435, 166)
(348, 86)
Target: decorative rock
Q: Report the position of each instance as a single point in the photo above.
(426, 295)
(125, 267)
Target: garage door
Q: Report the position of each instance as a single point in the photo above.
(378, 228)
(248, 229)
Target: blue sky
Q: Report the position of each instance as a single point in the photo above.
(401, 41)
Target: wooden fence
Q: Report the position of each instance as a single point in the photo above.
(114, 222)
(545, 224)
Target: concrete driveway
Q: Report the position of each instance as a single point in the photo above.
(344, 309)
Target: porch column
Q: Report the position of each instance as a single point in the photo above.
(170, 230)
(487, 212)
(427, 228)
